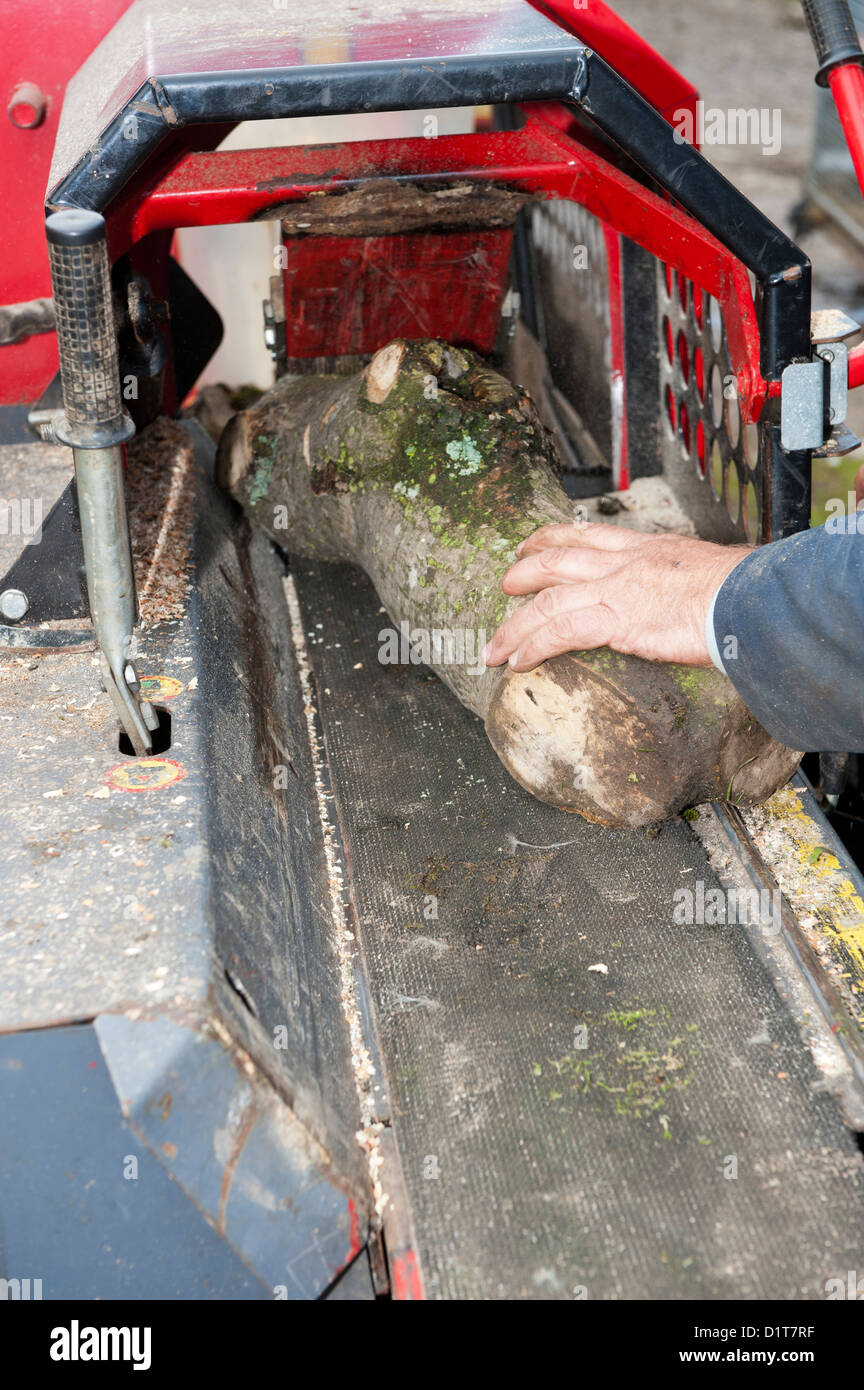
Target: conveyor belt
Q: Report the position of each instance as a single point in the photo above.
(654, 1128)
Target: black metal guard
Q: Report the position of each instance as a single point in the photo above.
(573, 75)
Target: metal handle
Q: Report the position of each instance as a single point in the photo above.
(834, 35)
(89, 370)
(95, 425)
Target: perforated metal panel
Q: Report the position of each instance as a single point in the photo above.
(710, 456)
(712, 460)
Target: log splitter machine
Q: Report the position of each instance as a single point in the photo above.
(391, 1026)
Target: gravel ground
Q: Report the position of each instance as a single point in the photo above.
(742, 53)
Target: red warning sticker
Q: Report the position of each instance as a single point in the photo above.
(145, 774)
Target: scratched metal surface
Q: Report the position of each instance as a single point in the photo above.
(85, 1206)
(536, 1168)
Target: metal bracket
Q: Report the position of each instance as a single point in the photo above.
(815, 394)
(274, 322)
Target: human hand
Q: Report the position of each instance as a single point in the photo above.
(605, 586)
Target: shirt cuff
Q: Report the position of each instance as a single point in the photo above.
(710, 639)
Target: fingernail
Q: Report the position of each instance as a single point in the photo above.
(512, 658)
(519, 547)
(486, 650)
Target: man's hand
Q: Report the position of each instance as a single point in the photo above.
(604, 586)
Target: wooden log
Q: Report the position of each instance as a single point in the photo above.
(426, 469)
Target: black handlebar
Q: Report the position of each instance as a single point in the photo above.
(81, 276)
(834, 35)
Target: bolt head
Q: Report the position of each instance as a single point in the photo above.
(27, 106)
(13, 604)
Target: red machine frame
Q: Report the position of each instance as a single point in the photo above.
(32, 362)
(238, 186)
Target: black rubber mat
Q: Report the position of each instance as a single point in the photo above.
(589, 1100)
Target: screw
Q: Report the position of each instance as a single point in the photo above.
(13, 604)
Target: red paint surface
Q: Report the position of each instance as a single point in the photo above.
(355, 1240)
(626, 51)
(847, 89)
(45, 45)
(204, 188)
(233, 186)
(354, 294)
(406, 1285)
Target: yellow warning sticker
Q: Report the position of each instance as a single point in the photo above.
(160, 687)
(144, 774)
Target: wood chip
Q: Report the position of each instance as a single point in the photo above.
(160, 496)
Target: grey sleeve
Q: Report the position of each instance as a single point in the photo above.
(789, 629)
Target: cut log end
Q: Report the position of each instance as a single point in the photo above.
(629, 747)
(383, 370)
(233, 455)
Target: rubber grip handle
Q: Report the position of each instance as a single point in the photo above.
(81, 277)
(834, 35)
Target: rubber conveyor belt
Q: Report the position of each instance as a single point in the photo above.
(588, 1100)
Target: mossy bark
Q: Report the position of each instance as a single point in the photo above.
(426, 469)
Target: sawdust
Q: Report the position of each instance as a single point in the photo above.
(369, 1136)
(826, 904)
(160, 500)
(648, 505)
(807, 891)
